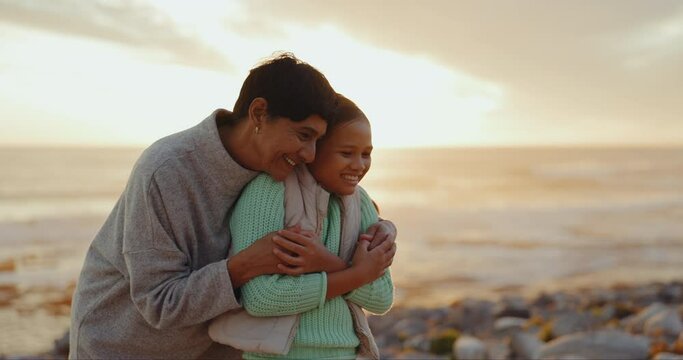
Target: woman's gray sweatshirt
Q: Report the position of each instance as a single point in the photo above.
(156, 271)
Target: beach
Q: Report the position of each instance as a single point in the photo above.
(474, 223)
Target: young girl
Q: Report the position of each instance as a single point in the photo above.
(317, 315)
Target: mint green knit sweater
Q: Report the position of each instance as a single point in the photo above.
(326, 326)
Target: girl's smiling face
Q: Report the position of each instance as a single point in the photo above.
(344, 157)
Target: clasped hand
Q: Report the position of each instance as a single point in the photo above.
(301, 252)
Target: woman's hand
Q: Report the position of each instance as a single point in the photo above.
(371, 264)
(379, 232)
(302, 253)
(257, 259)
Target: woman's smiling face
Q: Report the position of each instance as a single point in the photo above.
(286, 143)
(344, 157)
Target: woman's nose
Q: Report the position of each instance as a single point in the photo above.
(308, 152)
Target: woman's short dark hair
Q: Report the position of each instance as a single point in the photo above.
(292, 88)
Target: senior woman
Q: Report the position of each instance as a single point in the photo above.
(157, 272)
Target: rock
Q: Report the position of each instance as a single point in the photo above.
(645, 294)
(61, 346)
(543, 300)
(636, 323)
(512, 306)
(380, 324)
(442, 342)
(678, 345)
(624, 310)
(471, 316)
(437, 316)
(496, 350)
(563, 301)
(604, 313)
(667, 356)
(388, 340)
(525, 345)
(409, 327)
(671, 293)
(419, 343)
(469, 348)
(569, 323)
(567, 357)
(415, 355)
(389, 352)
(508, 324)
(599, 297)
(602, 344)
(666, 323)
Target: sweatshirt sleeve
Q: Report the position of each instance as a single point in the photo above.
(377, 296)
(165, 289)
(259, 211)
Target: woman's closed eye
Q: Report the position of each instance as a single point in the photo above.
(304, 136)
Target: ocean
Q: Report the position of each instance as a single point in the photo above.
(472, 222)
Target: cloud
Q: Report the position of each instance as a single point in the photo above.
(560, 61)
(123, 22)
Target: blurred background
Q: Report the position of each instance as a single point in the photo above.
(520, 146)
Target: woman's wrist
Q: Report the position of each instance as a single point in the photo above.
(240, 273)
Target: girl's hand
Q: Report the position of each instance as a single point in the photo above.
(379, 232)
(302, 253)
(371, 264)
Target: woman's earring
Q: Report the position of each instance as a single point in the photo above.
(257, 130)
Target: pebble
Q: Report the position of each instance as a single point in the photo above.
(513, 306)
(570, 322)
(602, 344)
(508, 324)
(667, 356)
(671, 293)
(636, 322)
(666, 323)
(469, 348)
(472, 316)
(497, 350)
(409, 327)
(525, 345)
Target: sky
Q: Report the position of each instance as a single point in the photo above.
(427, 73)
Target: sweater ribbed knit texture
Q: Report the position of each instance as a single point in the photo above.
(325, 327)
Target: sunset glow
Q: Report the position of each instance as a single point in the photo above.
(128, 73)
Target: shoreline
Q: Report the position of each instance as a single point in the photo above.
(513, 326)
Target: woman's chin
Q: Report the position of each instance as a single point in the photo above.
(279, 175)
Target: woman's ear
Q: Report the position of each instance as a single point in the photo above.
(258, 110)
